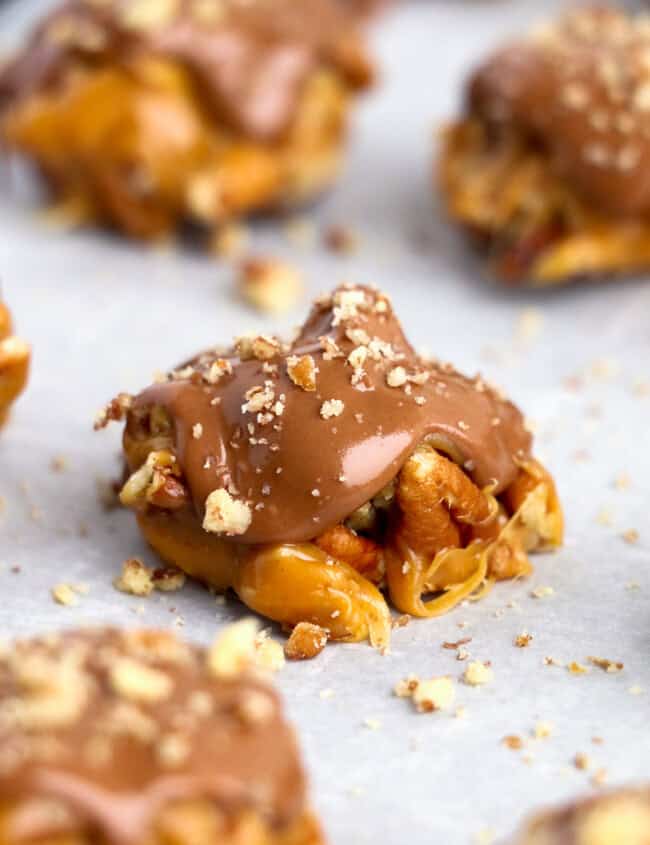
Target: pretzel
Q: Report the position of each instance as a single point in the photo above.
(229, 484)
(153, 123)
(14, 364)
(545, 169)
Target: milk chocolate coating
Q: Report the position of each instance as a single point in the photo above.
(250, 62)
(301, 473)
(610, 819)
(67, 733)
(581, 90)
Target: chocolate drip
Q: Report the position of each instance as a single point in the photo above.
(249, 60)
(302, 471)
(581, 90)
(104, 763)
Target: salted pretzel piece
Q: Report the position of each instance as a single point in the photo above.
(14, 364)
(438, 504)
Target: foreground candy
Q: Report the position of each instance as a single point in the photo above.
(548, 167)
(133, 737)
(14, 364)
(315, 476)
(144, 114)
(615, 818)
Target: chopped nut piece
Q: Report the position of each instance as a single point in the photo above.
(523, 640)
(581, 761)
(435, 694)
(65, 594)
(168, 579)
(226, 515)
(265, 348)
(172, 750)
(269, 654)
(514, 742)
(219, 368)
(234, 649)
(306, 641)
(542, 592)
(396, 377)
(302, 371)
(138, 682)
(609, 666)
(406, 687)
(341, 239)
(331, 408)
(136, 579)
(543, 730)
(477, 673)
(270, 285)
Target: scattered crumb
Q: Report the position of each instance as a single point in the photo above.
(372, 724)
(306, 641)
(512, 741)
(631, 536)
(542, 592)
(136, 579)
(269, 654)
(543, 729)
(635, 690)
(552, 661)
(326, 694)
(59, 463)
(66, 594)
(523, 640)
(456, 645)
(577, 668)
(270, 285)
(610, 666)
(168, 579)
(435, 694)
(581, 761)
(622, 481)
(605, 517)
(477, 673)
(341, 240)
(406, 687)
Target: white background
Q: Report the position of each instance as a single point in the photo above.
(104, 314)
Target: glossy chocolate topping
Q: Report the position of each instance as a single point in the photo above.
(303, 458)
(113, 726)
(249, 59)
(581, 89)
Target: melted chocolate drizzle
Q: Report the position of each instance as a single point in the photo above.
(302, 473)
